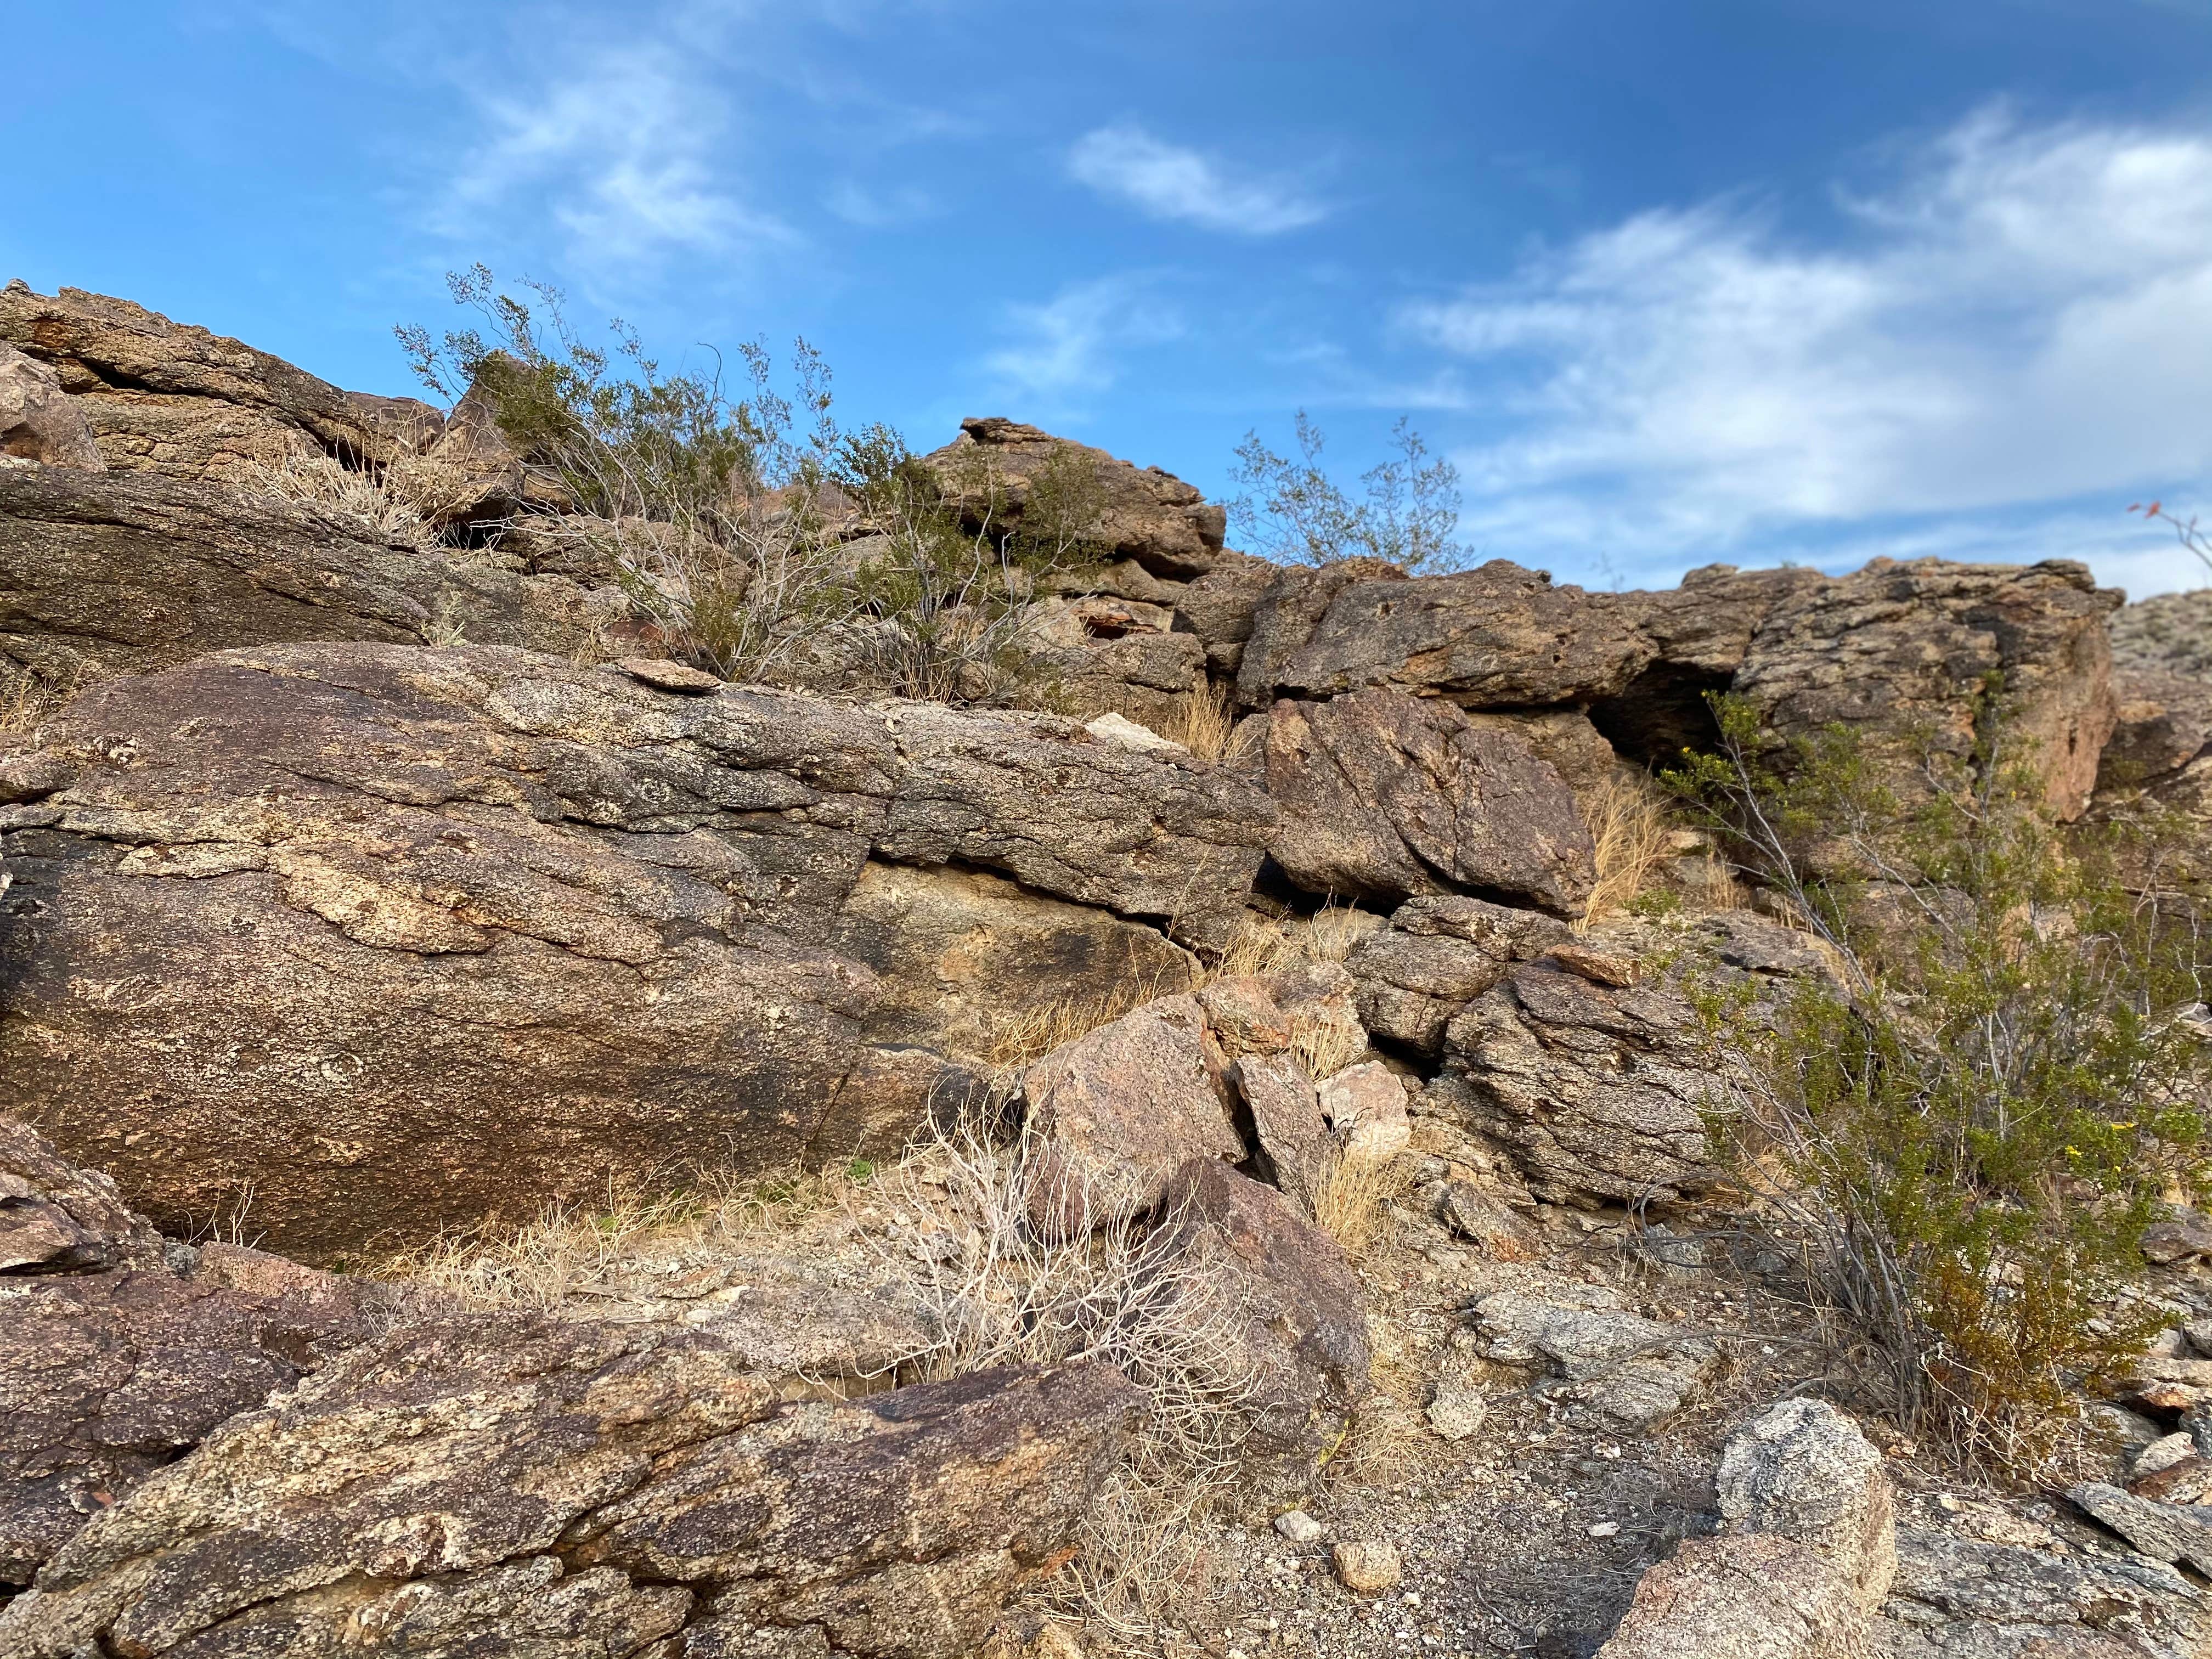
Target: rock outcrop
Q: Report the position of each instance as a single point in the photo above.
(126, 573)
(405, 936)
(38, 421)
(575, 1488)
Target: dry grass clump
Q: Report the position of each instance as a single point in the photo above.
(1325, 1046)
(1268, 947)
(402, 502)
(569, 1250)
(1628, 823)
(1349, 1197)
(27, 699)
(1206, 724)
(1030, 1034)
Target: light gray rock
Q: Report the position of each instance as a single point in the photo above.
(1614, 1369)
(2165, 1532)
(1803, 1470)
(1966, 1598)
(1287, 1119)
(1365, 1104)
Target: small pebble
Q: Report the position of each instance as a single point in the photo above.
(1297, 1526)
(1606, 1529)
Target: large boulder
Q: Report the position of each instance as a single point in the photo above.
(119, 1351)
(1897, 650)
(38, 422)
(1803, 1470)
(1757, 1596)
(990, 470)
(497, 1480)
(165, 398)
(403, 938)
(123, 572)
(1384, 796)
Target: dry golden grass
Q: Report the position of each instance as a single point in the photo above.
(570, 1248)
(1628, 822)
(1349, 1197)
(1032, 1033)
(405, 503)
(1268, 947)
(1207, 726)
(27, 699)
(1325, 1048)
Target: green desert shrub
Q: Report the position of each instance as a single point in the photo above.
(1962, 1132)
(1291, 510)
(760, 537)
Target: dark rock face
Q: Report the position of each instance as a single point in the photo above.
(532, 1486)
(118, 1351)
(187, 403)
(1300, 1319)
(1149, 516)
(1384, 796)
(102, 573)
(581, 927)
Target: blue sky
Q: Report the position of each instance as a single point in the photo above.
(1671, 282)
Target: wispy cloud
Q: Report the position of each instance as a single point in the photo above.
(1076, 342)
(2024, 315)
(627, 152)
(1169, 181)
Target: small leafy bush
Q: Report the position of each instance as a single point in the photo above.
(1293, 512)
(1963, 1132)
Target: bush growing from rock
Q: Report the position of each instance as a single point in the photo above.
(1964, 1131)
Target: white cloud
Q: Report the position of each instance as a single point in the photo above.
(1072, 343)
(2025, 316)
(627, 152)
(1171, 182)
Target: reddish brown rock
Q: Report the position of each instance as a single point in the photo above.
(38, 422)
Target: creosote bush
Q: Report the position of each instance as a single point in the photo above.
(1293, 512)
(761, 539)
(1963, 1133)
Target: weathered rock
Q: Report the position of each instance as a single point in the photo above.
(1030, 1635)
(1287, 1120)
(473, 930)
(1802, 1470)
(178, 400)
(444, 1463)
(1964, 1598)
(1365, 1104)
(125, 572)
(2161, 723)
(960, 955)
(1367, 1567)
(118, 1352)
(1147, 515)
(1105, 656)
(1565, 741)
(1455, 1411)
(2165, 634)
(38, 422)
(1614, 1369)
(1120, 1109)
(1757, 1596)
(1290, 1308)
(1598, 1090)
(1294, 600)
(1219, 607)
(58, 1219)
(1896, 646)
(1496, 635)
(2181, 1235)
(1385, 796)
(2165, 1532)
(1438, 955)
(1486, 1221)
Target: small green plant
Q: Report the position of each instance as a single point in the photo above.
(1292, 511)
(1962, 1132)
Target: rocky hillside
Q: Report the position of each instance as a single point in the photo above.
(522, 1147)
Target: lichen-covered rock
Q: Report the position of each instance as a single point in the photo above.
(427, 1477)
(1802, 1470)
(1293, 1314)
(1120, 1109)
(2164, 1532)
(1383, 796)
(1758, 1596)
(417, 936)
(1219, 607)
(1146, 515)
(1436, 956)
(1967, 1596)
(38, 422)
(1611, 1368)
(125, 572)
(58, 1219)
